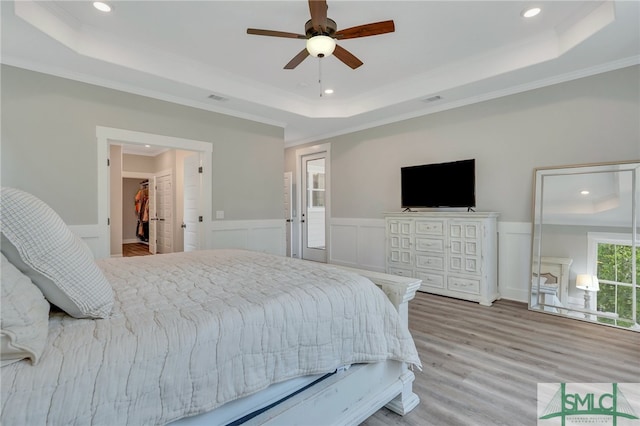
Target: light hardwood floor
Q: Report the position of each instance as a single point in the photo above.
(135, 249)
(481, 365)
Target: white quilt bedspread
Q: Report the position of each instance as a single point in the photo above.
(191, 331)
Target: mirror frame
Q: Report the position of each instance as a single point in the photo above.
(564, 264)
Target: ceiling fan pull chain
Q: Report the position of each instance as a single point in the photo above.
(320, 75)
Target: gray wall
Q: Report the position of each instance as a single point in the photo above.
(49, 145)
(588, 120)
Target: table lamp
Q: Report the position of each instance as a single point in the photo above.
(588, 283)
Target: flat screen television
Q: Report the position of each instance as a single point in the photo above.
(451, 184)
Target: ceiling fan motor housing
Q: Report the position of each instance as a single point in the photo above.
(330, 29)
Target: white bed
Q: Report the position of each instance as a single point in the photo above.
(206, 336)
(551, 282)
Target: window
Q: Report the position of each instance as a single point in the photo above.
(619, 296)
(316, 187)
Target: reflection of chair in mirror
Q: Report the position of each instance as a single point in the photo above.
(552, 280)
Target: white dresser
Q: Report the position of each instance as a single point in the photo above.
(454, 254)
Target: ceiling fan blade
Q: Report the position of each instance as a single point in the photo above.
(271, 33)
(347, 57)
(366, 30)
(318, 10)
(297, 59)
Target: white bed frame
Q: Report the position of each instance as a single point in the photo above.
(346, 398)
(556, 271)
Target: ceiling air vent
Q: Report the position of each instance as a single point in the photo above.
(432, 99)
(218, 98)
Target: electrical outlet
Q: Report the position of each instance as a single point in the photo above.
(219, 214)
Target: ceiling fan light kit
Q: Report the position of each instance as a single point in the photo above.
(321, 36)
(321, 46)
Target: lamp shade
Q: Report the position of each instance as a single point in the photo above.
(587, 282)
(321, 46)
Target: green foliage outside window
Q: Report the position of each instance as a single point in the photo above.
(616, 290)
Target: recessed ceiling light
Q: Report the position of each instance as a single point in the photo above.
(102, 6)
(147, 146)
(585, 192)
(531, 12)
(328, 91)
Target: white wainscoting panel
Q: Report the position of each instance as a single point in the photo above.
(358, 243)
(514, 260)
(258, 235)
(91, 235)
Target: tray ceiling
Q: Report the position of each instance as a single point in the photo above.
(460, 51)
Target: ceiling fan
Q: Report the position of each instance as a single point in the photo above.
(321, 35)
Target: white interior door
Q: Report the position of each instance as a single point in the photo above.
(288, 209)
(192, 187)
(153, 241)
(164, 209)
(313, 214)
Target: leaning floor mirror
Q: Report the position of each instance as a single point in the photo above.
(584, 243)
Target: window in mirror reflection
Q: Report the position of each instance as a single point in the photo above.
(614, 267)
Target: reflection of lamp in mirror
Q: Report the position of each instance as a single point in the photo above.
(588, 283)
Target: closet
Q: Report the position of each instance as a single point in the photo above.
(135, 198)
(141, 203)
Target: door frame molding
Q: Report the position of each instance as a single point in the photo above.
(106, 135)
(289, 246)
(315, 149)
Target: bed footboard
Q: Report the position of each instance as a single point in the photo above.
(399, 290)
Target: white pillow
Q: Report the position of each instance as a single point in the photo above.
(24, 317)
(40, 245)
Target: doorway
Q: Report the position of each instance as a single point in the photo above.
(135, 214)
(313, 167)
(313, 212)
(151, 201)
(109, 200)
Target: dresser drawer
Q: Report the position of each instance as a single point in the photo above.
(401, 272)
(430, 244)
(430, 261)
(464, 285)
(429, 227)
(430, 280)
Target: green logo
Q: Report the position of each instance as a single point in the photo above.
(588, 403)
